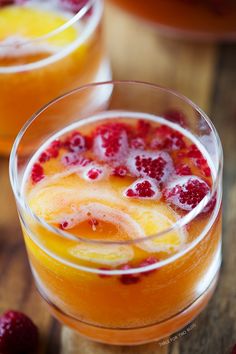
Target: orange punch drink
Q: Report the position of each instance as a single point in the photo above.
(46, 48)
(200, 19)
(120, 206)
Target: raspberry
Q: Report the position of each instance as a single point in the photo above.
(203, 165)
(72, 158)
(75, 142)
(37, 173)
(143, 189)
(137, 143)
(128, 279)
(64, 225)
(51, 152)
(187, 192)
(176, 117)
(18, 334)
(194, 152)
(73, 5)
(148, 261)
(104, 275)
(211, 205)
(6, 2)
(111, 142)
(120, 171)
(156, 165)
(93, 223)
(234, 349)
(143, 128)
(94, 173)
(167, 139)
(183, 170)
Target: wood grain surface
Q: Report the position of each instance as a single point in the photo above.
(207, 74)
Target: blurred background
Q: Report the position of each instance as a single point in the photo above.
(200, 65)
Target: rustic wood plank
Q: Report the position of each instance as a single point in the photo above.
(72, 343)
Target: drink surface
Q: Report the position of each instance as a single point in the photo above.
(120, 177)
(204, 16)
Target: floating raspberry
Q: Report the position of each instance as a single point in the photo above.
(37, 173)
(194, 152)
(143, 128)
(51, 152)
(93, 223)
(143, 189)
(211, 205)
(176, 117)
(111, 142)
(6, 2)
(137, 143)
(148, 261)
(73, 5)
(75, 142)
(64, 225)
(167, 139)
(204, 167)
(183, 170)
(101, 275)
(186, 192)
(72, 158)
(120, 171)
(18, 334)
(94, 173)
(156, 165)
(128, 279)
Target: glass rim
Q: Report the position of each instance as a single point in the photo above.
(179, 224)
(54, 56)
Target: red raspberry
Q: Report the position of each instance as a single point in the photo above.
(51, 152)
(73, 5)
(75, 142)
(148, 261)
(120, 171)
(143, 128)
(94, 174)
(211, 205)
(187, 192)
(194, 152)
(156, 165)
(37, 173)
(137, 143)
(111, 142)
(128, 279)
(176, 117)
(72, 158)
(183, 170)
(167, 139)
(203, 165)
(18, 334)
(234, 349)
(6, 2)
(143, 189)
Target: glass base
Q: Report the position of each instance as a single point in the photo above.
(135, 336)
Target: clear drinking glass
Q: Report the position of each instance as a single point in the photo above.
(203, 19)
(105, 303)
(46, 48)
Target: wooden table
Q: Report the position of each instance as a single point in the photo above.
(207, 74)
